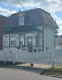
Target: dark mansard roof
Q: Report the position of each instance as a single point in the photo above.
(34, 17)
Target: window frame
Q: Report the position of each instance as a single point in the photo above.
(13, 36)
(6, 41)
(21, 20)
(20, 36)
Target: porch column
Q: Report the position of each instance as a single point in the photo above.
(25, 40)
(42, 38)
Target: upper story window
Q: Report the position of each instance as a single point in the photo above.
(21, 20)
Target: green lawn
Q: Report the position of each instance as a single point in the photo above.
(57, 70)
(5, 64)
(58, 67)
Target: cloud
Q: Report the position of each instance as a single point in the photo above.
(60, 27)
(49, 5)
(60, 30)
(6, 12)
(59, 22)
(6, 4)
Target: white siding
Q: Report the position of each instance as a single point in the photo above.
(39, 27)
(49, 38)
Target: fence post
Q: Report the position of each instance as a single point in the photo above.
(14, 57)
(4, 56)
(53, 57)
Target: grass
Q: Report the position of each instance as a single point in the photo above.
(57, 70)
(5, 64)
(8, 63)
(58, 67)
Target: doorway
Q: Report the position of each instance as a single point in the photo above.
(30, 43)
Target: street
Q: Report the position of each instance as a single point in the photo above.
(16, 74)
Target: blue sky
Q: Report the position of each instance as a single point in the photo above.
(8, 7)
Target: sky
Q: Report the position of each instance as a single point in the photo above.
(54, 7)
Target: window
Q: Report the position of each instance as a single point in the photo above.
(6, 40)
(21, 40)
(12, 40)
(21, 20)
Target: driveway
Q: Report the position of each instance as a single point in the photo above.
(19, 74)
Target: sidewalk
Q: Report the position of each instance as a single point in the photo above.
(14, 74)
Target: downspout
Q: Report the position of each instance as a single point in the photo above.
(42, 38)
(54, 40)
(24, 39)
(9, 40)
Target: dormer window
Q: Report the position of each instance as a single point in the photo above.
(21, 20)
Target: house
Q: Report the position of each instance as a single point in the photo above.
(3, 20)
(58, 42)
(31, 31)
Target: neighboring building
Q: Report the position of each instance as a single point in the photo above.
(3, 21)
(58, 42)
(33, 30)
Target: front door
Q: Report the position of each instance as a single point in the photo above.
(30, 43)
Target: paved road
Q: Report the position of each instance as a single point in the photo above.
(16, 74)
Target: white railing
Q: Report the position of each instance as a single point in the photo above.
(51, 56)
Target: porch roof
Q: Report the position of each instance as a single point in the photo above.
(21, 30)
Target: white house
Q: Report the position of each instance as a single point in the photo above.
(29, 36)
(29, 31)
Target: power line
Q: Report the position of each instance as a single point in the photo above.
(21, 4)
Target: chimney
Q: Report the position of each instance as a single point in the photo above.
(19, 9)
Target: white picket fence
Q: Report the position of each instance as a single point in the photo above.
(52, 56)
